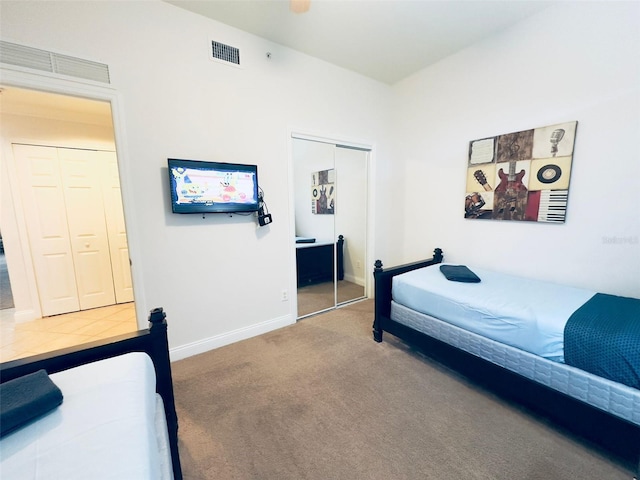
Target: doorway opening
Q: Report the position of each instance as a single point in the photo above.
(65, 125)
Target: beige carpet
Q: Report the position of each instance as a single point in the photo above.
(321, 400)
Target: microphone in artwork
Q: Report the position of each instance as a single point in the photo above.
(556, 136)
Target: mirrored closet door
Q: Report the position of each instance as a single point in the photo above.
(330, 193)
(350, 222)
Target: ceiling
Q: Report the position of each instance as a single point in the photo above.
(386, 40)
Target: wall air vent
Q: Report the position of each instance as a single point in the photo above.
(225, 53)
(28, 57)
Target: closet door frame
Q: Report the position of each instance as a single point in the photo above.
(301, 134)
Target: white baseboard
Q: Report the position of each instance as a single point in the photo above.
(204, 345)
(353, 279)
(25, 315)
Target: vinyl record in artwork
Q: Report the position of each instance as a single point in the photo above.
(549, 173)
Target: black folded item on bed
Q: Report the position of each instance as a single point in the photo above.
(603, 337)
(25, 399)
(459, 273)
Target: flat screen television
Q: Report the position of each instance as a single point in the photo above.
(212, 187)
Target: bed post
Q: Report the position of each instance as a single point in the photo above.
(164, 381)
(382, 290)
(379, 300)
(340, 257)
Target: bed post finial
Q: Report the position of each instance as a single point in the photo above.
(157, 315)
(157, 320)
(377, 266)
(437, 255)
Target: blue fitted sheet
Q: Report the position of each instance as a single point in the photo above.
(524, 313)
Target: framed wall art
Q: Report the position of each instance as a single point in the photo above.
(522, 176)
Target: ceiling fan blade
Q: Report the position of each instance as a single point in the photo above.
(299, 6)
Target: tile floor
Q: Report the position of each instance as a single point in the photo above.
(21, 339)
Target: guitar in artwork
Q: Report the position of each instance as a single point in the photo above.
(482, 180)
(510, 198)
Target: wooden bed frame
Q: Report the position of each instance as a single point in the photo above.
(152, 341)
(618, 437)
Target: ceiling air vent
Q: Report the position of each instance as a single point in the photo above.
(225, 53)
(28, 57)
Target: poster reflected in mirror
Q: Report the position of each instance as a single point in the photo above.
(323, 192)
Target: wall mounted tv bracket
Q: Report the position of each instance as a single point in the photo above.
(264, 217)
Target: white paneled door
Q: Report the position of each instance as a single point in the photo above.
(63, 192)
(45, 215)
(116, 230)
(87, 227)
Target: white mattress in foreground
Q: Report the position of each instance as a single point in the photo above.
(617, 399)
(104, 429)
(524, 313)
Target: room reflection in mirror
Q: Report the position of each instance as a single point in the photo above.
(330, 221)
(351, 223)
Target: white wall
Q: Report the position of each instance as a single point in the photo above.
(576, 61)
(219, 278)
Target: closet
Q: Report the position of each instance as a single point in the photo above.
(330, 195)
(75, 226)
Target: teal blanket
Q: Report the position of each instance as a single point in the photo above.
(603, 337)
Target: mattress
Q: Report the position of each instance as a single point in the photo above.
(612, 397)
(162, 436)
(524, 313)
(106, 428)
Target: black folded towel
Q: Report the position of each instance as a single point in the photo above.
(26, 398)
(459, 273)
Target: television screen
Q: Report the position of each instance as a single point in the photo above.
(212, 187)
